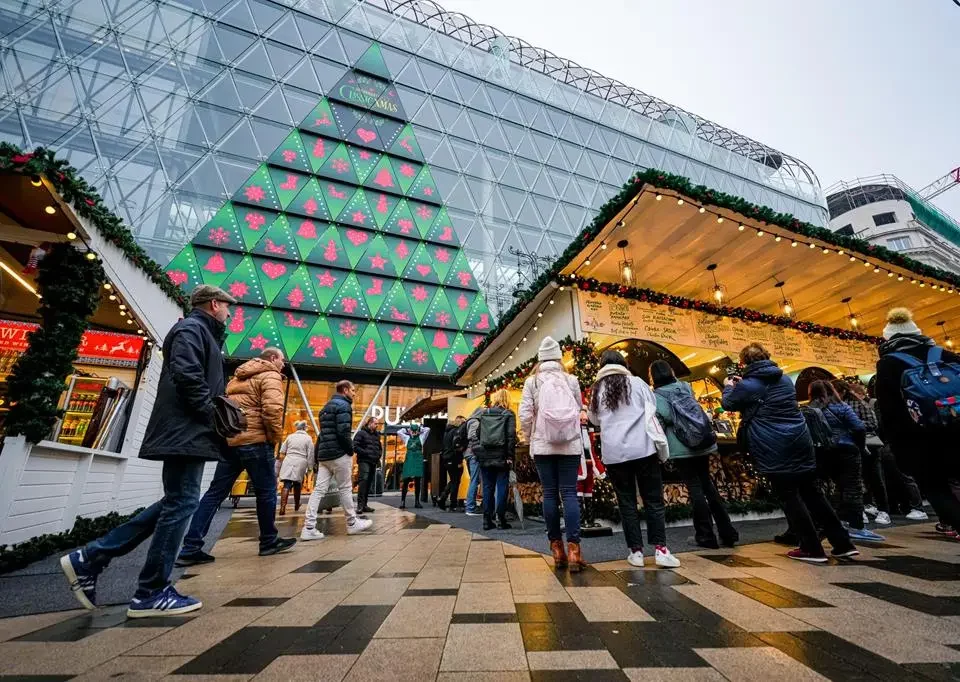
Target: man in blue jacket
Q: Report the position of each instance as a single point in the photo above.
(335, 460)
(182, 435)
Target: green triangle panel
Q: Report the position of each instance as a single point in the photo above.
(183, 270)
(424, 188)
(383, 206)
(459, 351)
(397, 308)
(278, 241)
(375, 290)
(291, 154)
(370, 352)
(244, 283)
(317, 347)
(357, 211)
(258, 190)
(338, 165)
(364, 161)
(382, 177)
(264, 334)
(288, 184)
(479, 319)
(347, 118)
(318, 150)
(416, 356)
(326, 283)
(329, 250)
(406, 172)
(460, 274)
(440, 313)
(336, 195)
(442, 230)
(423, 216)
(420, 266)
(395, 337)
(355, 242)
(377, 259)
(441, 341)
(298, 293)
(349, 300)
(461, 302)
(473, 340)
(306, 233)
(346, 334)
(420, 296)
(401, 221)
(216, 265)
(242, 319)
(387, 129)
(372, 62)
(406, 145)
(293, 327)
(310, 202)
(252, 222)
(374, 131)
(222, 232)
(400, 251)
(273, 276)
(443, 258)
(320, 120)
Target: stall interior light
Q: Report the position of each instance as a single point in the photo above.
(947, 341)
(786, 305)
(794, 243)
(35, 180)
(107, 286)
(49, 210)
(854, 322)
(91, 255)
(719, 290)
(778, 238)
(626, 265)
(20, 280)
(741, 227)
(71, 236)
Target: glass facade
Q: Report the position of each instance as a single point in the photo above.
(168, 106)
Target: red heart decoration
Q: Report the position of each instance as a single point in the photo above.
(357, 237)
(367, 136)
(273, 270)
(178, 277)
(424, 270)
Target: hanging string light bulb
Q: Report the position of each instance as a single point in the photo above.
(947, 341)
(626, 265)
(719, 290)
(854, 322)
(786, 305)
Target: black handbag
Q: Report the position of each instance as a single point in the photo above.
(228, 418)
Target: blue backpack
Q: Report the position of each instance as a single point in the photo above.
(931, 389)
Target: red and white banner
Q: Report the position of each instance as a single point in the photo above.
(96, 347)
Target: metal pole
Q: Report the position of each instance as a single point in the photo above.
(373, 402)
(303, 397)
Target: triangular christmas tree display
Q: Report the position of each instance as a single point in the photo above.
(338, 247)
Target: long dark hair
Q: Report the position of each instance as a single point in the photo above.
(661, 373)
(823, 391)
(616, 387)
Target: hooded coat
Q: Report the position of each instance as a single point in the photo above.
(777, 435)
(528, 409)
(665, 394)
(257, 387)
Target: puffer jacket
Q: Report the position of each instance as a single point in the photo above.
(777, 435)
(336, 420)
(528, 411)
(844, 422)
(366, 444)
(257, 387)
(664, 395)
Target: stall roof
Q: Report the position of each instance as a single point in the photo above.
(674, 230)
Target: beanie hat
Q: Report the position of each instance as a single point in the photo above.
(900, 321)
(549, 350)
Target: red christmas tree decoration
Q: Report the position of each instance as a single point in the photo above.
(296, 297)
(319, 151)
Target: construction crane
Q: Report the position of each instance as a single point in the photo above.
(941, 185)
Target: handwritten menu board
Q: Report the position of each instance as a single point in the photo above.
(663, 324)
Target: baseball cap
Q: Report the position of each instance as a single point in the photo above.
(207, 292)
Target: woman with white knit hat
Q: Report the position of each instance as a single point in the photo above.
(929, 455)
(551, 411)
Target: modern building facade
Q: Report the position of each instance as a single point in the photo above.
(886, 211)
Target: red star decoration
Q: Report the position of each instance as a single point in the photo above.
(326, 280)
(358, 217)
(377, 261)
(254, 193)
(258, 342)
(397, 335)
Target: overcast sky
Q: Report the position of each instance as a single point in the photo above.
(851, 87)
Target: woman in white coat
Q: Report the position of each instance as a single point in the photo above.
(632, 444)
(296, 455)
(551, 411)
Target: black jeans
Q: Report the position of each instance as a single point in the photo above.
(902, 490)
(366, 479)
(416, 490)
(626, 476)
(935, 485)
(876, 487)
(806, 507)
(842, 464)
(706, 502)
(453, 471)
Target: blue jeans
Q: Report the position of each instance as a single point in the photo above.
(473, 466)
(257, 459)
(494, 479)
(558, 476)
(165, 520)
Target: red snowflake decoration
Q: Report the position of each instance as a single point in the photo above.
(348, 329)
(419, 293)
(254, 193)
(424, 212)
(295, 298)
(238, 289)
(428, 191)
(405, 225)
(442, 255)
(349, 304)
(407, 171)
(218, 236)
(255, 220)
(320, 345)
(364, 155)
(443, 318)
(289, 155)
(420, 356)
(340, 165)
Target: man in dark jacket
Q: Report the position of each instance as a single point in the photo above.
(335, 460)
(366, 443)
(182, 435)
(452, 461)
(927, 455)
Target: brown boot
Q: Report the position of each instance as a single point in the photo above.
(576, 559)
(559, 554)
(284, 498)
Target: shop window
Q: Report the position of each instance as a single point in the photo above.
(884, 218)
(899, 243)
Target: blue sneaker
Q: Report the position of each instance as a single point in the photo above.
(864, 535)
(82, 578)
(167, 602)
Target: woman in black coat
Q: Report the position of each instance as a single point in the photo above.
(366, 443)
(777, 438)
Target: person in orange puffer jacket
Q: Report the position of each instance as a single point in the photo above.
(257, 387)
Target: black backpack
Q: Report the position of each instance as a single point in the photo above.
(460, 439)
(691, 425)
(820, 431)
(493, 430)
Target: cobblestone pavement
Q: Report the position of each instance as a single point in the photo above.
(417, 600)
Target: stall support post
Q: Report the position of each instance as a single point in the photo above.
(303, 397)
(373, 402)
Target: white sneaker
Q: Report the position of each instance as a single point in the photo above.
(866, 519)
(635, 559)
(883, 519)
(917, 515)
(308, 534)
(871, 510)
(358, 526)
(665, 559)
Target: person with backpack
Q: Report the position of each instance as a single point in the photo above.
(413, 437)
(633, 445)
(472, 464)
(918, 384)
(870, 445)
(774, 433)
(494, 438)
(691, 440)
(842, 461)
(367, 445)
(550, 419)
(452, 462)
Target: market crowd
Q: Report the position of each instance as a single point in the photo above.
(831, 462)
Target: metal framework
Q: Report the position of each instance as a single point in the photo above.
(488, 38)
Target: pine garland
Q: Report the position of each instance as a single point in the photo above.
(585, 366)
(69, 284)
